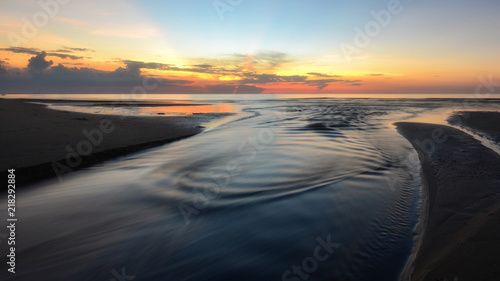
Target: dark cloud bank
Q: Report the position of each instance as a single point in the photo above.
(41, 75)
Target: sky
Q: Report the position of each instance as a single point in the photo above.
(248, 46)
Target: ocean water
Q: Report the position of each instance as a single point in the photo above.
(290, 188)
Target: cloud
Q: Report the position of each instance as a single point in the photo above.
(62, 51)
(228, 64)
(34, 51)
(252, 78)
(234, 89)
(264, 59)
(317, 74)
(132, 64)
(195, 69)
(21, 50)
(75, 63)
(40, 76)
(199, 68)
(323, 83)
(38, 62)
(80, 49)
(206, 68)
(71, 50)
(135, 66)
(271, 58)
(377, 74)
(65, 56)
(127, 77)
(3, 70)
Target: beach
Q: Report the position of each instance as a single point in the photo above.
(485, 123)
(250, 140)
(41, 143)
(253, 198)
(245, 200)
(462, 183)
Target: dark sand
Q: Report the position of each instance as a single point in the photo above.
(485, 123)
(461, 237)
(34, 137)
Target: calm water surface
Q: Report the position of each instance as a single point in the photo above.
(249, 199)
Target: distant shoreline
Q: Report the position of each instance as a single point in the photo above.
(38, 141)
(460, 236)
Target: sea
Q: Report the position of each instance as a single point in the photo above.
(285, 187)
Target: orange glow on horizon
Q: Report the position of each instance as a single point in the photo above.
(378, 77)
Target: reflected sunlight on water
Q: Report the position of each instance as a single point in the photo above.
(187, 110)
(145, 109)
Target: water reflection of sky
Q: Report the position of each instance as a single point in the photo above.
(441, 115)
(145, 110)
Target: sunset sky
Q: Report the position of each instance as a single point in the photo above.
(248, 46)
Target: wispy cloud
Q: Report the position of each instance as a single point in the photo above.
(317, 74)
(244, 78)
(252, 78)
(234, 89)
(33, 51)
(323, 83)
(79, 49)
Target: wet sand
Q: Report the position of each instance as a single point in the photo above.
(41, 143)
(486, 123)
(462, 181)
